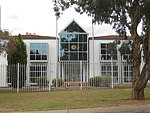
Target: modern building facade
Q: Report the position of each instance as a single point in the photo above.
(73, 57)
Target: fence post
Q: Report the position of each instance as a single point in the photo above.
(18, 78)
(81, 85)
(56, 74)
(112, 84)
(49, 74)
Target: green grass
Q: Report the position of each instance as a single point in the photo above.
(39, 101)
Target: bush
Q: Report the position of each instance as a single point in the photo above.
(60, 82)
(95, 81)
(42, 81)
(106, 80)
(100, 81)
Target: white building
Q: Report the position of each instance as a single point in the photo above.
(41, 51)
(104, 65)
(73, 56)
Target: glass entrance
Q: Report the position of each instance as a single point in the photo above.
(71, 72)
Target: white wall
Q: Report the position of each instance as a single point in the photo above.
(52, 56)
(94, 56)
(3, 74)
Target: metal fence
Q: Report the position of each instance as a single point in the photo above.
(64, 76)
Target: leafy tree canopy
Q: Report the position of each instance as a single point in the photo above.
(7, 42)
(118, 13)
(19, 55)
(124, 16)
(3, 40)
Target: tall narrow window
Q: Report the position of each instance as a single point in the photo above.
(127, 73)
(104, 55)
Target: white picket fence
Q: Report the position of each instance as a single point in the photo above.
(64, 76)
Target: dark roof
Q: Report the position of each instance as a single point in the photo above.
(108, 37)
(37, 37)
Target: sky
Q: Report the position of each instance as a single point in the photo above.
(37, 16)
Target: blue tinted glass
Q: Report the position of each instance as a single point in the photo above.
(38, 46)
(72, 42)
(64, 56)
(73, 37)
(45, 46)
(44, 52)
(62, 53)
(39, 51)
(63, 37)
(32, 46)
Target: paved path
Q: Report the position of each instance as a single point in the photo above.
(116, 109)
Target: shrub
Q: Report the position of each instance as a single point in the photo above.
(59, 81)
(106, 80)
(95, 81)
(42, 81)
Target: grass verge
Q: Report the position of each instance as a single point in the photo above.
(54, 100)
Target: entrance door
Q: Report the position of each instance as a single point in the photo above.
(71, 71)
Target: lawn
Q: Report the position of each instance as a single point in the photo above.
(43, 101)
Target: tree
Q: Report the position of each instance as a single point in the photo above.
(125, 48)
(19, 55)
(7, 42)
(3, 40)
(124, 15)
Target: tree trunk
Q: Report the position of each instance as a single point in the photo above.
(137, 80)
(138, 90)
(140, 78)
(138, 94)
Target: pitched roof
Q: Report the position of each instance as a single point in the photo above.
(73, 21)
(37, 37)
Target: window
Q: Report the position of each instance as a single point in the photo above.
(73, 43)
(38, 51)
(37, 70)
(127, 57)
(106, 71)
(127, 73)
(104, 55)
(73, 46)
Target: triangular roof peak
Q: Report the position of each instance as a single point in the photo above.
(73, 26)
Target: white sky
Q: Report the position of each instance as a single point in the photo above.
(37, 16)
